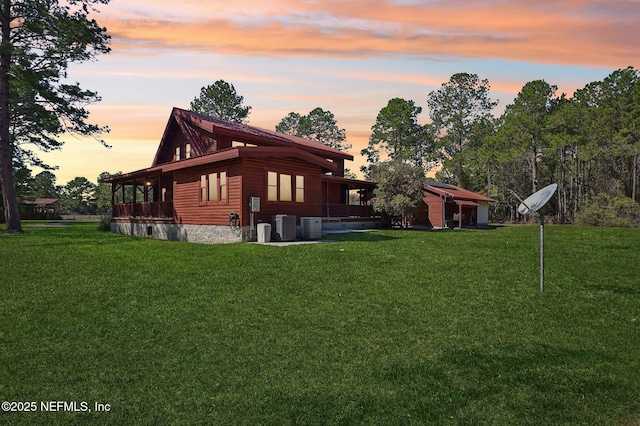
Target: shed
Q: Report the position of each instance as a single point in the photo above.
(42, 208)
(445, 205)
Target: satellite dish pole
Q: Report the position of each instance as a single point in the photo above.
(542, 251)
(532, 205)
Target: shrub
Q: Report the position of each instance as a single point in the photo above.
(605, 210)
(105, 223)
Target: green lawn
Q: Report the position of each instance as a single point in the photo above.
(387, 327)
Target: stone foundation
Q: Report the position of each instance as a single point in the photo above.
(216, 234)
(205, 234)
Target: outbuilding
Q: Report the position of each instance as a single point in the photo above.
(449, 206)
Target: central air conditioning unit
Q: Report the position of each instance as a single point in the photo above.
(311, 228)
(285, 227)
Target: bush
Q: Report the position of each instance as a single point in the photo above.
(605, 210)
(105, 223)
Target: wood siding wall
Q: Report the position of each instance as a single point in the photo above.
(186, 195)
(246, 178)
(435, 209)
(255, 185)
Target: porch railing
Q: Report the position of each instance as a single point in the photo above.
(160, 209)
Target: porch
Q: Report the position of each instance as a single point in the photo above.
(347, 198)
(162, 210)
(142, 195)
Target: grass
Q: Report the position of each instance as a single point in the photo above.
(389, 327)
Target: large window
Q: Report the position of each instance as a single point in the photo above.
(272, 186)
(284, 187)
(214, 188)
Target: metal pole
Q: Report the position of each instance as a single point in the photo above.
(251, 226)
(542, 252)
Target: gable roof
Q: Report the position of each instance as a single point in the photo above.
(194, 126)
(43, 201)
(454, 192)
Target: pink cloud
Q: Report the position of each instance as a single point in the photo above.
(565, 32)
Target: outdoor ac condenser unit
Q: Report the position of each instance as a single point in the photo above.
(311, 228)
(285, 227)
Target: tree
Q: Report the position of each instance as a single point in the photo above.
(399, 188)
(220, 100)
(526, 124)
(611, 136)
(44, 185)
(459, 110)
(398, 134)
(78, 195)
(319, 125)
(39, 41)
(102, 194)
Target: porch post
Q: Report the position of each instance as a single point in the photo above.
(459, 216)
(135, 196)
(113, 197)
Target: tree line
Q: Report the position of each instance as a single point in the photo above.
(589, 144)
(77, 196)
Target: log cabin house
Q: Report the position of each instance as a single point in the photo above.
(213, 181)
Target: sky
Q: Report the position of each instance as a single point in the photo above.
(346, 56)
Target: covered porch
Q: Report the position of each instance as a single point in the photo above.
(347, 198)
(461, 214)
(142, 195)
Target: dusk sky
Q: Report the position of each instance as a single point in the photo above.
(348, 57)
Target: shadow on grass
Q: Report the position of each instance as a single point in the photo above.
(614, 289)
(470, 387)
(475, 385)
(370, 236)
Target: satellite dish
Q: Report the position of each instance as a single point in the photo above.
(537, 200)
(532, 205)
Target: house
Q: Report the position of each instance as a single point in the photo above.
(450, 206)
(41, 208)
(214, 181)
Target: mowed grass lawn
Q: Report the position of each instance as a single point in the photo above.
(387, 327)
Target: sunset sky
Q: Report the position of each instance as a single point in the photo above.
(348, 57)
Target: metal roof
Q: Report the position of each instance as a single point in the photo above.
(244, 131)
(454, 192)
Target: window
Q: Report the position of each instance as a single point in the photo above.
(164, 194)
(299, 189)
(214, 188)
(223, 186)
(280, 187)
(187, 151)
(272, 186)
(235, 144)
(203, 188)
(285, 187)
(177, 157)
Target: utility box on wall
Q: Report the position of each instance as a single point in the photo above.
(254, 204)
